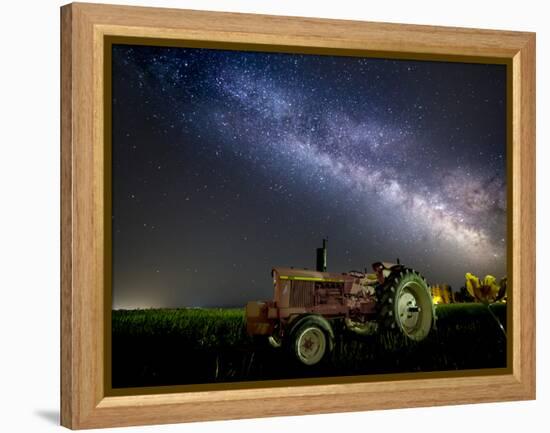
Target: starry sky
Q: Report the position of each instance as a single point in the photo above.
(228, 163)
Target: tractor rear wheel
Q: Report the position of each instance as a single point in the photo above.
(406, 304)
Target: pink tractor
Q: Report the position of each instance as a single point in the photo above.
(308, 306)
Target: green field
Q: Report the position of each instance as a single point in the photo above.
(188, 346)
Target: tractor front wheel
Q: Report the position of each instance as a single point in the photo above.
(310, 344)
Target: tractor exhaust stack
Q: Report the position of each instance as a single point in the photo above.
(321, 265)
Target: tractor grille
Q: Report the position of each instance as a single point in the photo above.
(301, 293)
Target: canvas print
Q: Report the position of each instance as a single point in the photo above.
(283, 216)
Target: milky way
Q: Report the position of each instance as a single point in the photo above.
(227, 163)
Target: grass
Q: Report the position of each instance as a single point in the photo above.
(184, 346)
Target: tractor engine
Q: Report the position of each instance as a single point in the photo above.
(297, 292)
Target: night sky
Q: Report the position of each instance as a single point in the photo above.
(228, 163)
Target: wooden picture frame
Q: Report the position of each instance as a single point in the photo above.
(85, 402)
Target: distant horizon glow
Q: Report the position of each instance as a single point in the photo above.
(229, 163)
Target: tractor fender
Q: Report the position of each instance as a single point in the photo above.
(314, 319)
